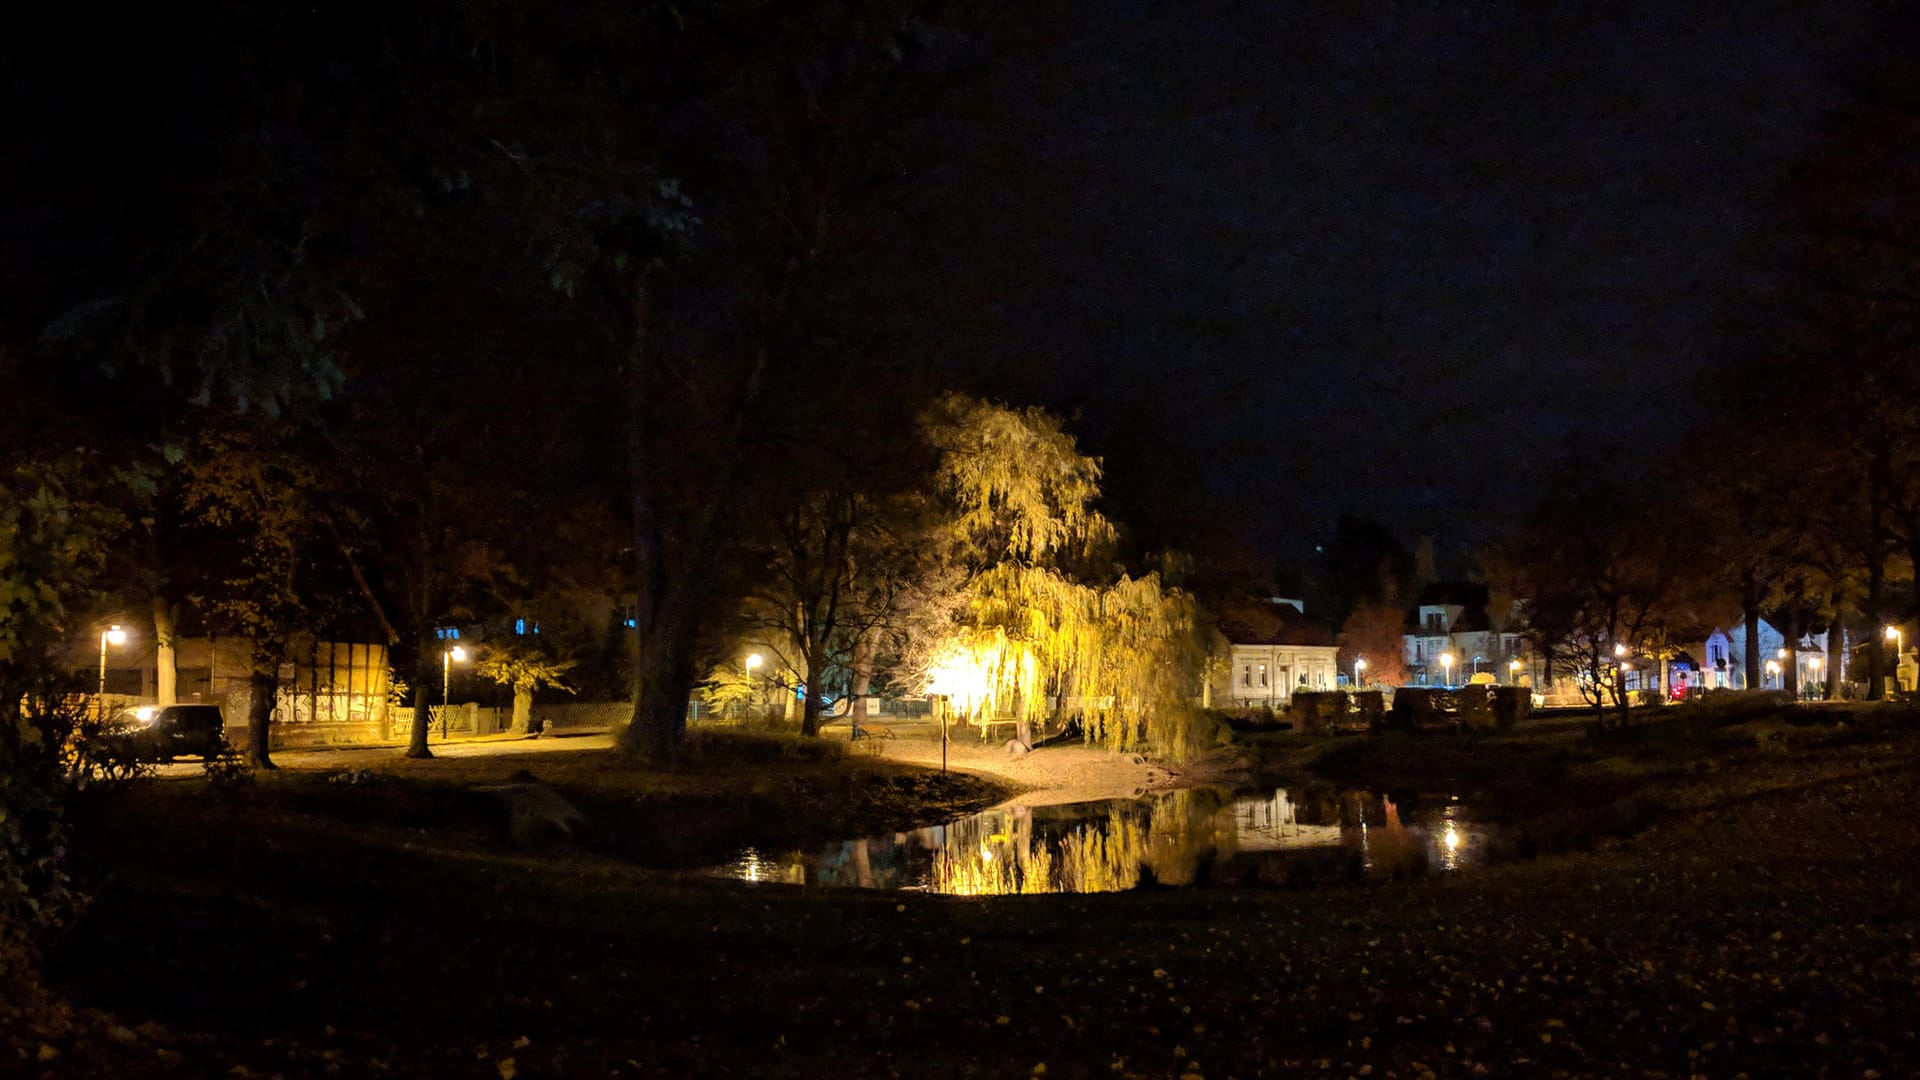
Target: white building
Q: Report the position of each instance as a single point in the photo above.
(1267, 673)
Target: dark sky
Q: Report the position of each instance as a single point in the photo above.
(1385, 257)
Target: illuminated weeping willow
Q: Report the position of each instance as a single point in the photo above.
(1036, 640)
(1122, 657)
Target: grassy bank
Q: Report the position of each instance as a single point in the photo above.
(1762, 922)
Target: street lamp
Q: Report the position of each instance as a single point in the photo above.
(1446, 668)
(1899, 639)
(1773, 668)
(1513, 671)
(1359, 665)
(1813, 666)
(448, 657)
(752, 664)
(112, 635)
(1619, 648)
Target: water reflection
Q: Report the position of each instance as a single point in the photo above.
(1182, 838)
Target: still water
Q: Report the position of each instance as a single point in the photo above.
(1193, 837)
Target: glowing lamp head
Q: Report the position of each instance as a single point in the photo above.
(1773, 667)
(1360, 664)
(115, 635)
(1893, 633)
(1620, 649)
(457, 654)
(754, 660)
(1782, 654)
(1813, 662)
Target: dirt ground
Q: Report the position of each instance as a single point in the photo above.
(1760, 922)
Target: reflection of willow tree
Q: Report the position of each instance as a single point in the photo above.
(1184, 834)
(1047, 627)
(999, 854)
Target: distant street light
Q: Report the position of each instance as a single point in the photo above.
(1513, 671)
(112, 635)
(1773, 668)
(1446, 668)
(1899, 639)
(1619, 648)
(1813, 666)
(1359, 665)
(448, 657)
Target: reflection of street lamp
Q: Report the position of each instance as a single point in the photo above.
(448, 657)
(112, 635)
(1446, 668)
(1359, 665)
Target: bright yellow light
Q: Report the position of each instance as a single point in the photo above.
(145, 714)
(986, 853)
(1446, 659)
(1626, 667)
(1514, 665)
(1360, 664)
(1773, 667)
(1782, 654)
(1452, 838)
(959, 675)
(458, 654)
(1893, 633)
(1813, 662)
(754, 660)
(1620, 649)
(115, 635)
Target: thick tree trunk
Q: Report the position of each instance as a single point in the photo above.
(1876, 651)
(166, 663)
(1751, 660)
(426, 677)
(810, 711)
(663, 681)
(263, 687)
(522, 710)
(862, 680)
(1790, 672)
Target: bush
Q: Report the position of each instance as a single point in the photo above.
(228, 771)
(38, 741)
(1424, 708)
(1511, 704)
(1369, 710)
(1317, 712)
(1722, 706)
(1475, 706)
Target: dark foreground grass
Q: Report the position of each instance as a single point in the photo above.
(1764, 926)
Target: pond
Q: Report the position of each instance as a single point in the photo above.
(1189, 837)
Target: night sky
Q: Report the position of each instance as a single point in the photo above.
(1390, 260)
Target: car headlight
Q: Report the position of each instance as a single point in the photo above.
(146, 714)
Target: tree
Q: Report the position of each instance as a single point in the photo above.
(525, 670)
(1048, 626)
(1375, 632)
(1604, 573)
(252, 497)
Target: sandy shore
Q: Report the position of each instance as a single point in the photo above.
(1046, 777)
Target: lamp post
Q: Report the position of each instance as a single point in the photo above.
(752, 664)
(1446, 668)
(1899, 639)
(1513, 671)
(112, 635)
(1359, 665)
(448, 657)
(1773, 669)
(1813, 664)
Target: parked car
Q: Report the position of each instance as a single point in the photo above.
(164, 732)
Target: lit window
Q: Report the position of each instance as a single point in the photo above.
(1263, 674)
